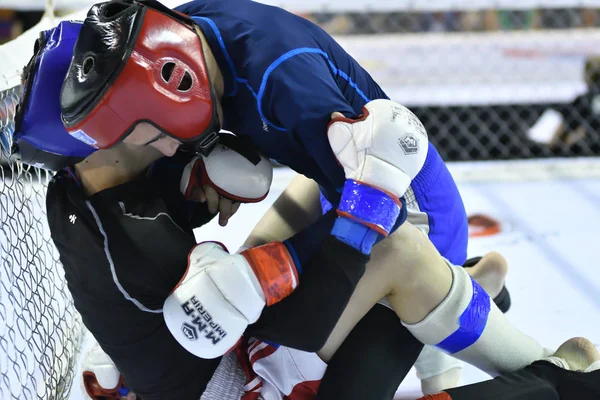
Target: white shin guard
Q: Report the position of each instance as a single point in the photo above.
(468, 325)
(433, 362)
(437, 370)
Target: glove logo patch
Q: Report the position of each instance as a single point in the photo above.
(409, 144)
(201, 322)
(189, 331)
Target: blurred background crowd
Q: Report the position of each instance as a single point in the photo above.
(13, 23)
(456, 21)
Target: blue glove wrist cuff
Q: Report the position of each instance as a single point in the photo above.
(355, 234)
(370, 206)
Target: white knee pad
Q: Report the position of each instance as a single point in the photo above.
(443, 371)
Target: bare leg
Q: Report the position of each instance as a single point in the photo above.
(299, 206)
(490, 272)
(385, 276)
(432, 299)
(417, 281)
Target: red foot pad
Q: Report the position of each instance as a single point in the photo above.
(97, 392)
(437, 396)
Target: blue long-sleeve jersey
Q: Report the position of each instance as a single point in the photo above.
(284, 76)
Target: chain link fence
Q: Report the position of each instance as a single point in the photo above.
(487, 84)
(40, 330)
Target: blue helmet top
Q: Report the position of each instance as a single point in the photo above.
(39, 135)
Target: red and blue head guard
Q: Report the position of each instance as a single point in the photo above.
(40, 137)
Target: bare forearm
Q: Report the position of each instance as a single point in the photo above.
(296, 208)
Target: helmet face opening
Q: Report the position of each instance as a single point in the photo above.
(134, 63)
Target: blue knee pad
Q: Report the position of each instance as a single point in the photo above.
(472, 322)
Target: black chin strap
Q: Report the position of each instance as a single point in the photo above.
(242, 146)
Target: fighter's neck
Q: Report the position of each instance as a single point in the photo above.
(112, 167)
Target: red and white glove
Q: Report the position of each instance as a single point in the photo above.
(381, 153)
(232, 173)
(220, 294)
(235, 171)
(101, 380)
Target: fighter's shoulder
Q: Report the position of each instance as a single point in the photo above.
(58, 182)
(193, 7)
(119, 207)
(63, 198)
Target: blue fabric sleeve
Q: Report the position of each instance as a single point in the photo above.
(190, 8)
(300, 95)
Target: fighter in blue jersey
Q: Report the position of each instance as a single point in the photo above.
(145, 75)
(123, 231)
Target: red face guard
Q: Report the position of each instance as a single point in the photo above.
(161, 79)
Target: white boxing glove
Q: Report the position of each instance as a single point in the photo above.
(101, 380)
(385, 148)
(233, 168)
(221, 294)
